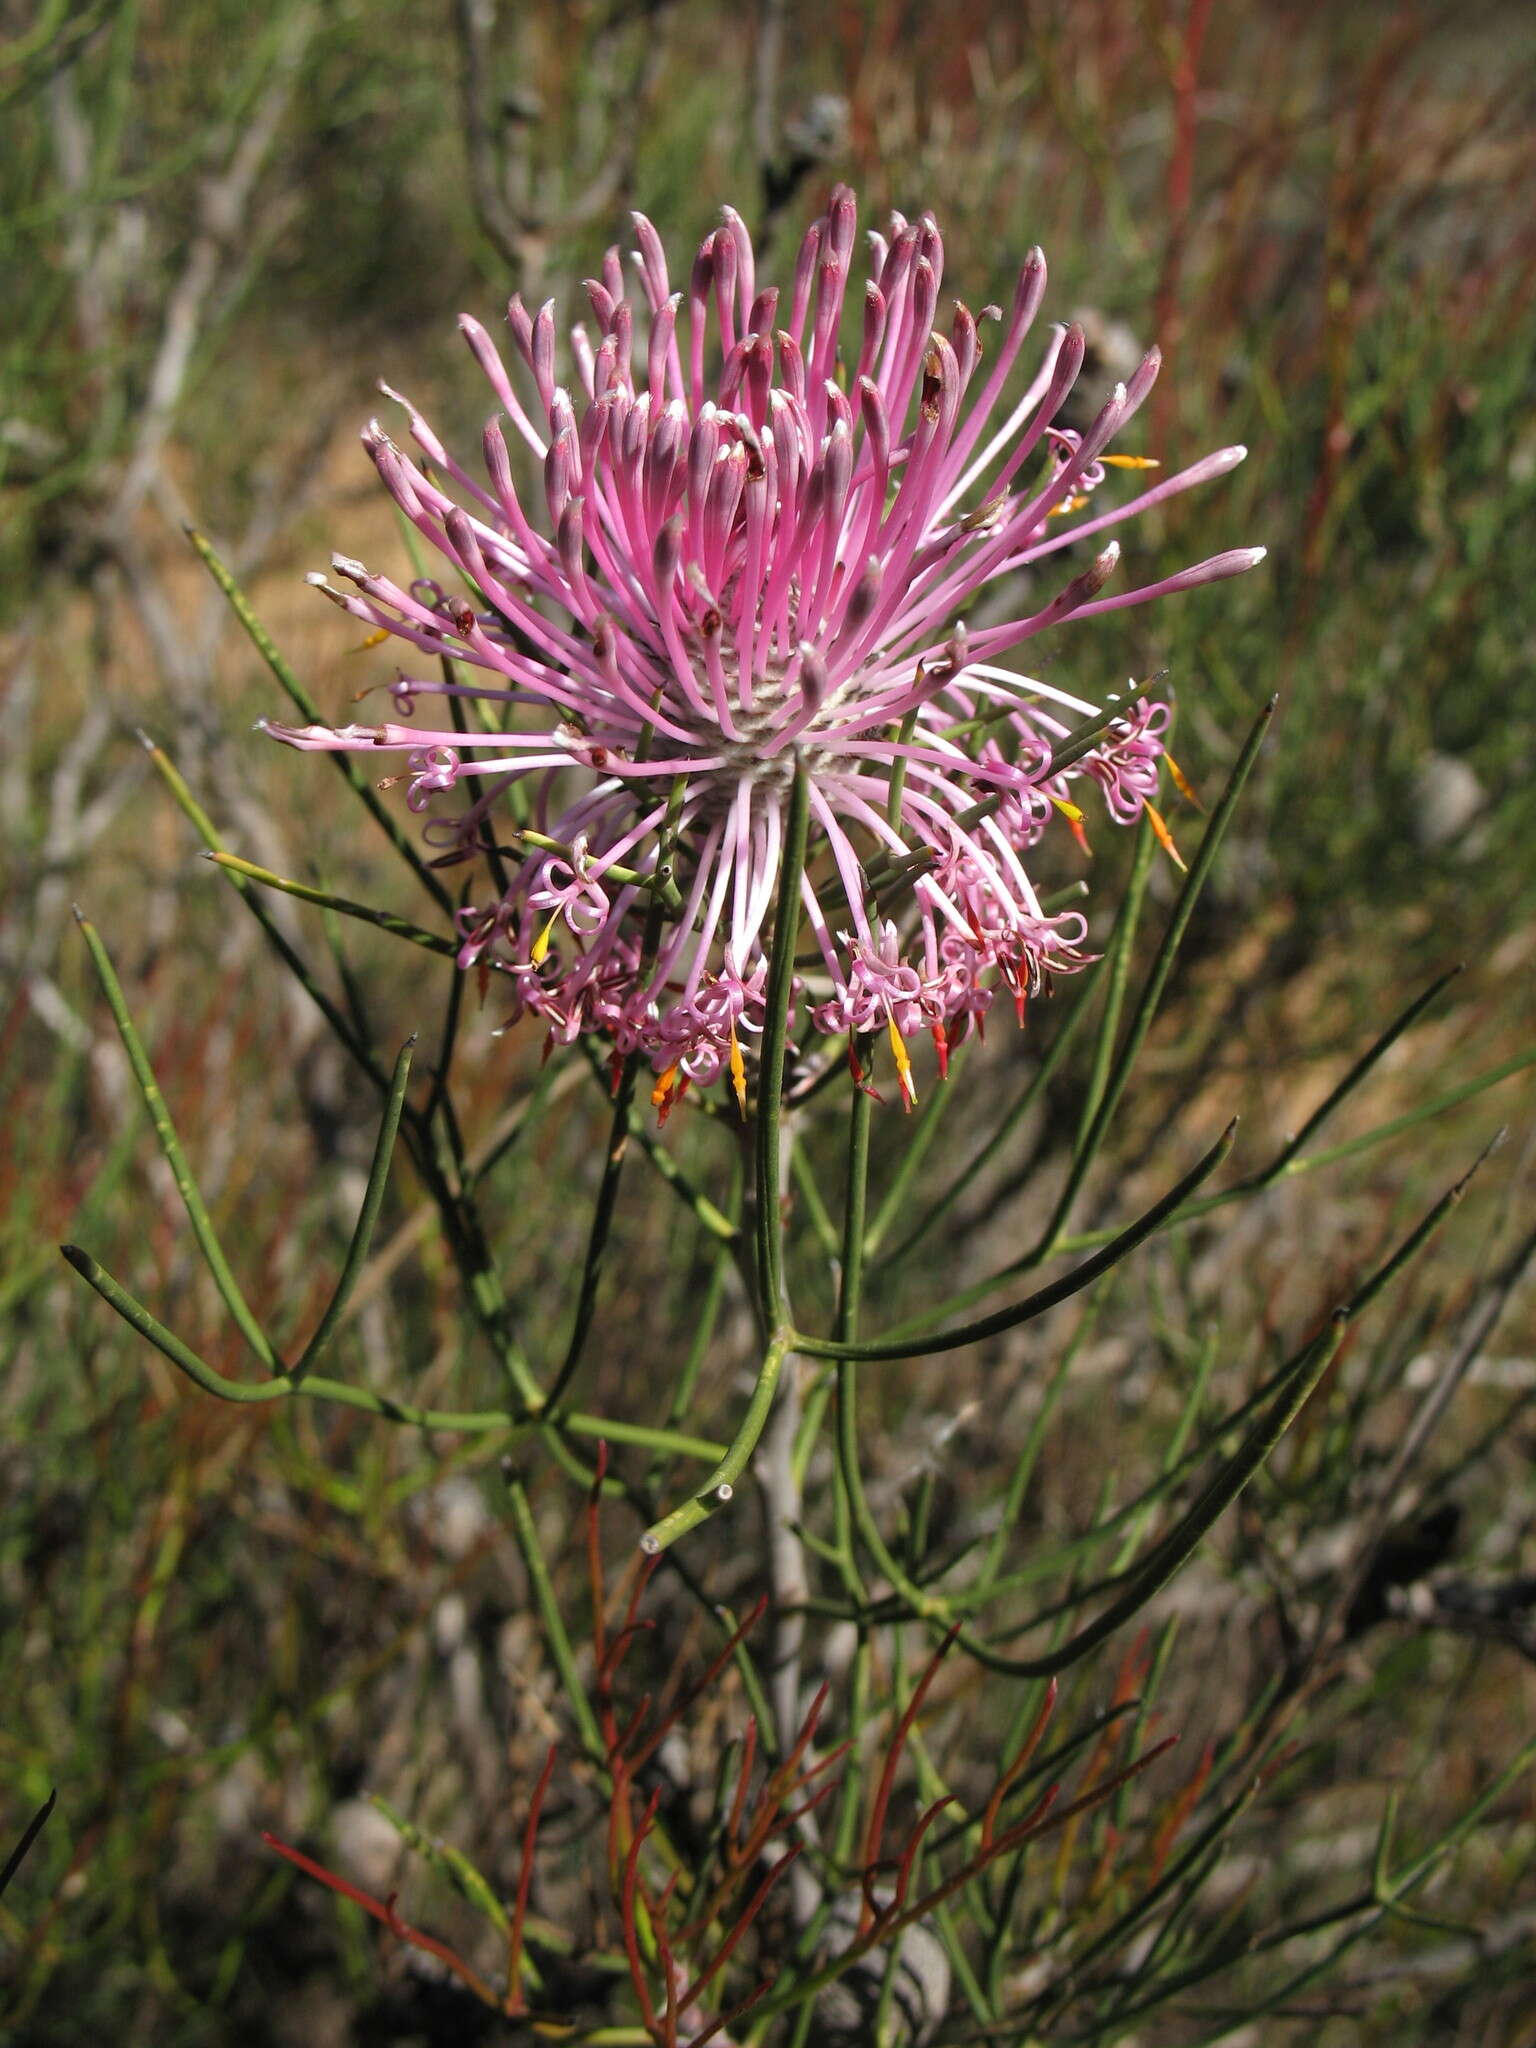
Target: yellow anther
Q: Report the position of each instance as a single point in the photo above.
(1165, 838)
(903, 1063)
(738, 1073)
(1074, 818)
(661, 1094)
(540, 949)
(1182, 783)
(1130, 462)
(1071, 505)
(373, 640)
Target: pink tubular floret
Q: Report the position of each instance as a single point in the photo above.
(730, 550)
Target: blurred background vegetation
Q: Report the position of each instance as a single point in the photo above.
(218, 228)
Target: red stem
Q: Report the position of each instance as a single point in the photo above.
(876, 1831)
(738, 1803)
(631, 1924)
(696, 1693)
(524, 1883)
(727, 1947)
(617, 1646)
(1020, 1763)
(908, 1861)
(384, 1912)
(1178, 1813)
(729, 2019)
(668, 1966)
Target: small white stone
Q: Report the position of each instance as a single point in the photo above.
(1447, 796)
(454, 1516)
(367, 1848)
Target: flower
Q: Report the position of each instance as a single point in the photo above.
(741, 561)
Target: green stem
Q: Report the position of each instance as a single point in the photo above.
(864, 1523)
(170, 1145)
(705, 1212)
(1351, 1081)
(919, 1141)
(449, 1189)
(773, 1305)
(1047, 1297)
(720, 1486)
(619, 1132)
(526, 1537)
(473, 1422)
(1168, 1555)
(1117, 975)
(367, 1218)
(1157, 979)
(385, 920)
(770, 1076)
(855, 1232)
(602, 1225)
(1002, 1131)
(202, 824)
(300, 698)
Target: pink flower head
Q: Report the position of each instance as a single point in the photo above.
(742, 554)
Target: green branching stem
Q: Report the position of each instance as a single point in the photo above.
(1117, 974)
(849, 1298)
(719, 1488)
(773, 1305)
(621, 1126)
(443, 1171)
(526, 1536)
(202, 824)
(305, 705)
(181, 1172)
(707, 1214)
(283, 1386)
(864, 1523)
(367, 1217)
(770, 1081)
(383, 920)
(1157, 980)
(1002, 1131)
(1293, 1146)
(1036, 1304)
(602, 1224)
(1152, 1572)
